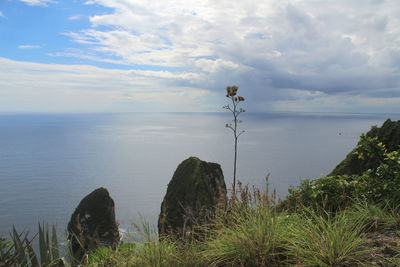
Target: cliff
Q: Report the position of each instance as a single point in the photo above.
(388, 135)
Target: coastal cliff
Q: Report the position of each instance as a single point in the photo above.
(388, 135)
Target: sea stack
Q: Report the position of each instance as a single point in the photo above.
(93, 224)
(193, 193)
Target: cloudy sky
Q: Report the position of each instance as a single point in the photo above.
(179, 55)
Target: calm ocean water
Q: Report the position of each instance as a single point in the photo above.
(48, 163)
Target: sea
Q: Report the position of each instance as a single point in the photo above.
(49, 162)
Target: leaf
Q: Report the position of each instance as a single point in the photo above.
(31, 253)
(44, 246)
(54, 244)
(19, 251)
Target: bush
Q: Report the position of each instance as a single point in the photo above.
(377, 185)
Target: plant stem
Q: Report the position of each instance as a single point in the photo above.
(236, 138)
(236, 99)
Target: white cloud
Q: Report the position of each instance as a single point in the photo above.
(284, 44)
(38, 2)
(1, 14)
(27, 86)
(297, 54)
(75, 17)
(29, 46)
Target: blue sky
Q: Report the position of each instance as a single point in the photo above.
(176, 55)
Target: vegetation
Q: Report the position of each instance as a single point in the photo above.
(380, 185)
(388, 135)
(255, 233)
(231, 92)
(19, 251)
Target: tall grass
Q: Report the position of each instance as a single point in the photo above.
(154, 253)
(249, 233)
(376, 217)
(252, 237)
(326, 240)
(150, 250)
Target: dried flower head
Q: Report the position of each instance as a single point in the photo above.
(231, 90)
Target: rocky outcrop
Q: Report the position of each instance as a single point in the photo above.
(388, 134)
(93, 224)
(193, 193)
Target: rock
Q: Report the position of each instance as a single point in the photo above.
(93, 224)
(193, 193)
(388, 134)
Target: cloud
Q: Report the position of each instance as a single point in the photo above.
(75, 17)
(266, 46)
(29, 46)
(1, 14)
(27, 86)
(288, 54)
(38, 2)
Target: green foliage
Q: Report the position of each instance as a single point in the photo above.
(388, 135)
(383, 184)
(123, 255)
(5, 250)
(103, 256)
(162, 252)
(19, 251)
(330, 193)
(376, 185)
(48, 248)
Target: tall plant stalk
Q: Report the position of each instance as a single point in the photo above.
(231, 93)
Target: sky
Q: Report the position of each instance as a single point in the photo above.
(179, 55)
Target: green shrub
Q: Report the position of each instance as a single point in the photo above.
(329, 193)
(378, 185)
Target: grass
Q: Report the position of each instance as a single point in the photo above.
(327, 240)
(376, 217)
(257, 237)
(251, 231)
